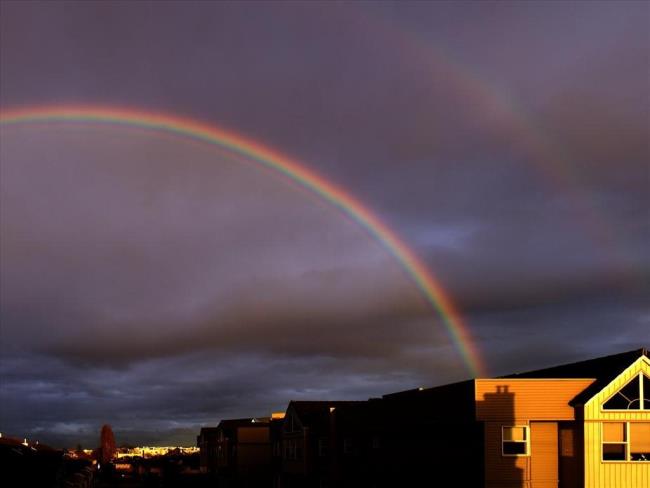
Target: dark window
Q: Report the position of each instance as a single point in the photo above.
(322, 446)
(514, 440)
(627, 398)
(376, 442)
(613, 452)
(614, 441)
(514, 448)
(646, 392)
(347, 446)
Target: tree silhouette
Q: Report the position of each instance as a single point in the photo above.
(107, 444)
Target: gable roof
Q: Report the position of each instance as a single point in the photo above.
(603, 370)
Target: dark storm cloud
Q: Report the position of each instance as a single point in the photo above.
(505, 142)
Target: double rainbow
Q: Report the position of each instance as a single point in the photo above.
(430, 288)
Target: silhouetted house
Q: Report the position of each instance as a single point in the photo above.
(25, 463)
(244, 453)
(358, 432)
(308, 444)
(206, 441)
(275, 437)
(582, 424)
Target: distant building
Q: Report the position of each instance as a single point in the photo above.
(27, 463)
(244, 453)
(309, 443)
(207, 444)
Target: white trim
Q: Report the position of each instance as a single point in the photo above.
(526, 440)
(626, 443)
(636, 366)
(639, 378)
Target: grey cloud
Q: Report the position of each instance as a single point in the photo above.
(512, 161)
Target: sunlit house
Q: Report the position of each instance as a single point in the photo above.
(582, 424)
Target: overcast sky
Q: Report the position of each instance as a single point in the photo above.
(159, 285)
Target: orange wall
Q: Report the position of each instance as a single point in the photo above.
(526, 399)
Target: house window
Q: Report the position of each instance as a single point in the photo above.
(640, 441)
(289, 450)
(635, 395)
(322, 446)
(626, 441)
(514, 440)
(376, 442)
(347, 446)
(614, 441)
(290, 424)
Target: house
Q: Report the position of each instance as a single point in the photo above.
(244, 452)
(581, 424)
(308, 443)
(275, 433)
(357, 433)
(206, 441)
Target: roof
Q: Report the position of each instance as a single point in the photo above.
(603, 370)
(230, 426)
(315, 414)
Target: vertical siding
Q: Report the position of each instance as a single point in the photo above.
(599, 474)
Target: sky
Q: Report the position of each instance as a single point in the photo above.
(160, 284)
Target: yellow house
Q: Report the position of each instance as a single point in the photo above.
(617, 430)
(585, 424)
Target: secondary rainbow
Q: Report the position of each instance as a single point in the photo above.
(430, 288)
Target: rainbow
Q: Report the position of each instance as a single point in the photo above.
(431, 289)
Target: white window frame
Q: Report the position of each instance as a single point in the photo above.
(628, 453)
(639, 378)
(526, 441)
(626, 442)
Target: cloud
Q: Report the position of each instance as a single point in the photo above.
(138, 269)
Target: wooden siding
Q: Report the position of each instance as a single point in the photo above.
(527, 399)
(503, 471)
(544, 455)
(599, 474)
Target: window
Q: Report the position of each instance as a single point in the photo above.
(289, 450)
(347, 446)
(514, 440)
(290, 424)
(626, 441)
(614, 441)
(631, 395)
(376, 442)
(322, 446)
(639, 441)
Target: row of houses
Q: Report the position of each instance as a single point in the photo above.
(584, 424)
